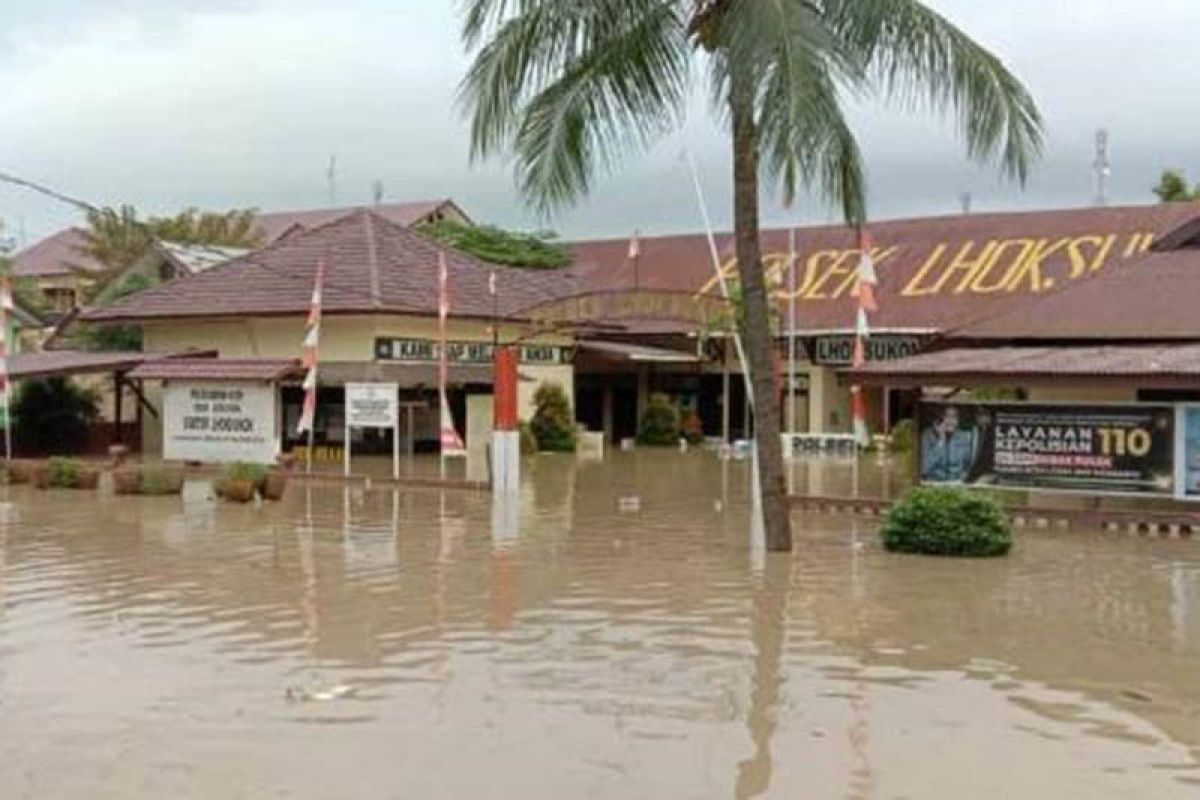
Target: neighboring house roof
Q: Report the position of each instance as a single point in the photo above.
(61, 253)
(218, 369)
(935, 273)
(58, 254)
(373, 265)
(193, 258)
(1147, 364)
(275, 224)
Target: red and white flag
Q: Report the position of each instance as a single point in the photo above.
(450, 440)
(864, 292)
(312, 342)
(635, 245)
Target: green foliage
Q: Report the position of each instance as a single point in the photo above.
(553, 424)
(116, 237)
(242, 471)
(1173, 188)
(904, 436)
(500, 246)
(64, 472)
(998, 394)
(120, 338)
(941, 521)
(571, 88)
(660, 422)
(52, 415)
(529, 442)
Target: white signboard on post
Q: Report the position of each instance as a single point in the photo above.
(220, 422)
(372, 405)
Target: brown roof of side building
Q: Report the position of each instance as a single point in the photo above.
(1147, 365)
(1152, 297)
(935, 273)
(61, 253)
(372, 265)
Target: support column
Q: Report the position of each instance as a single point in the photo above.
(506, 438)
(606, 414)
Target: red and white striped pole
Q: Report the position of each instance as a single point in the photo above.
(312, 341)
(864, 292)
(6, 307)
(448, 435)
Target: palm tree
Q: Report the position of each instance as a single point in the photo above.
(571, 86)
(1173, 188)
(116, 237)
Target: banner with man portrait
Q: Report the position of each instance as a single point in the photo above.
(1093, 449)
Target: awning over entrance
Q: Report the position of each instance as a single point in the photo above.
(624, 351)
(55, 363)
(1171, 365)
(219, 369)
(408, 376)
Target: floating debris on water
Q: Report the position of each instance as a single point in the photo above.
(300, 694)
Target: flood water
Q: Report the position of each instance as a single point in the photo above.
(368, 644)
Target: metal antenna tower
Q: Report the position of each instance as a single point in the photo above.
(1102, 167)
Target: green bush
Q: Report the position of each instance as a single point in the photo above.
(53, 415)
(660, 422)
(529, 442)
(904, 436)
(241, 471)
(940, 521)
(64, 472)
(553, 424)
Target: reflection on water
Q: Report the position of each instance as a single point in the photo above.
(352, 643)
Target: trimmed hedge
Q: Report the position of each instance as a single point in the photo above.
(660, 422)
(553, 423)
(940, 521)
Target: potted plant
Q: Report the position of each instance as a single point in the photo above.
(66, 473)
(22, 471)
(274, 484)
(240, 482)
(126, 480)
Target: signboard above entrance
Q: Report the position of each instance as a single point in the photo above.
(372, 405)
(836, 351)
(425, 351)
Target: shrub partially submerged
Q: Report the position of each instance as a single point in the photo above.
(67, 473)
(947, 522)
(553, 424)
(660, 422)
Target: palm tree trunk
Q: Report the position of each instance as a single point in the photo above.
(759, 341)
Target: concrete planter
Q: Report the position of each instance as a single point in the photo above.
(236, 490)
(275, 485)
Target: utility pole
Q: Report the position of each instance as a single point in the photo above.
(331, 181)
(1102, 167)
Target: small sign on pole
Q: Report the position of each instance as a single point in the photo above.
(374, 405)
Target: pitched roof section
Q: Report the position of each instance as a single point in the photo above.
(935, 273)
(275, 224)
(58, 254)
(371, 265)
(1150, 297)
(1153, 363)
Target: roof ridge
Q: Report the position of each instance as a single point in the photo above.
(373, 260)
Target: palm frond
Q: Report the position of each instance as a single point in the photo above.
(572, 86)
(917, 56)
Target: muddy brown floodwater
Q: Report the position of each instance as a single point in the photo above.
(351, 644)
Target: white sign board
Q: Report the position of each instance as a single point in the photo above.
(220, 422)
(372, 405)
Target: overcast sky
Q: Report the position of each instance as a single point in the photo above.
(237, 103)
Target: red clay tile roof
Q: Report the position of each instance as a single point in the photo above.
(1154, 296)
(372, 266)
(58, 254)
(77, 362)
(1004, 260)
(222, 369)
(276, 223)
(1147, 364)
